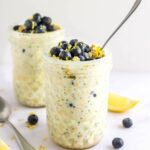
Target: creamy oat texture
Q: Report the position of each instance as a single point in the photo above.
(27, 50)
(76, 100)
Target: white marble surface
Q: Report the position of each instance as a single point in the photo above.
(134, 85)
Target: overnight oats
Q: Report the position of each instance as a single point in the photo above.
(27, 43)
(77, 80)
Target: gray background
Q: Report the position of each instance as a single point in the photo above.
(91, 21)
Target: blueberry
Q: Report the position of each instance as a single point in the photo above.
(16, 27)
(33, 119)
(46, 20)
(76, 51)
(66, 46)
(94, 95)
(50, 27)
(37, 18)
(82, 58)
(65, 55)
(55, 51)
(73, 41)
(86, 55)
(117, 143)
(87, 49)
(23, 50)
(71, 105)
(40, 29)
(30, 24)
(127, 122)
(81, 45)
(62, 42)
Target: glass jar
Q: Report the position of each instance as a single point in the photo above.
(28, 76)
(76, 100)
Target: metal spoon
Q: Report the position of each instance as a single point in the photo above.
(134, 7)
(4, 115)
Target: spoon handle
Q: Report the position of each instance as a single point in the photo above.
(134, 7)
(23, 143)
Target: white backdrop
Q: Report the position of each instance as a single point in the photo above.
(91, 21)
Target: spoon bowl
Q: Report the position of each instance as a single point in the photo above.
(4, 110)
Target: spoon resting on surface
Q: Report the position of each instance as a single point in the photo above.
(4, 116)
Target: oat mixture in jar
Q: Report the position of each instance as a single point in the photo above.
(27, 43)
(77, 79)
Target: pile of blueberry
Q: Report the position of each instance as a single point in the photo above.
(75, 50)
(36, 24)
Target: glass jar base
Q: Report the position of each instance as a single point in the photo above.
(31, 105)
(78, 147)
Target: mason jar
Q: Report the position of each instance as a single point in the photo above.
(76, 100)
(28, 76)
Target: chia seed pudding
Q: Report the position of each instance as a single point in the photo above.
(76, 95)
(27, 43)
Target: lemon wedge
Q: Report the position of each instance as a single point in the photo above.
(3, 145)
(117, 103)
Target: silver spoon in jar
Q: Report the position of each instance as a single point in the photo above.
(4, 115)
(134, 7)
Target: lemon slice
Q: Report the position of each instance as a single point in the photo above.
(117, 103)
(3, 145)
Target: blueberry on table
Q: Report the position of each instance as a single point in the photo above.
(16, 27)
(46, 20)
(40, 29)
(37, 18)
(33, 119)
(73, 41)
(65, 55)
(82, 58)
(117, 143)
(55, 51)
(127, 122)
(50, 27)
(76, 51)
(30, 24)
